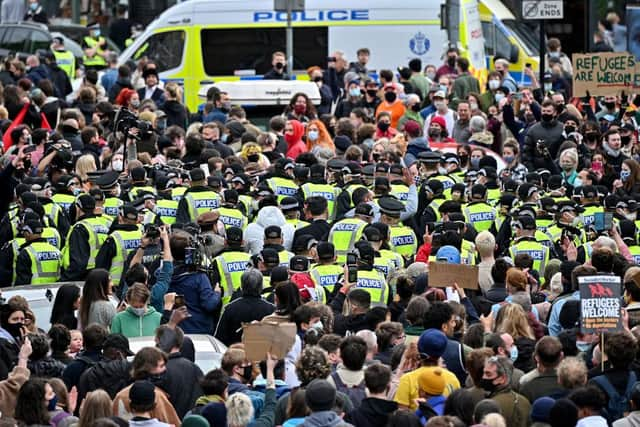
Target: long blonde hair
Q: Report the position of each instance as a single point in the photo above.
(97, 404)
(84, 165)
(512, 320)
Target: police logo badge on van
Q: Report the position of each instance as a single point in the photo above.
(419, 44)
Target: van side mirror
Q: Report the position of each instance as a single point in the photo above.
(514, 53)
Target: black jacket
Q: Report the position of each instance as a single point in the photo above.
(182, 383)
(157, 96)
(9, 351)
(242, 310)
(60, 81)
(109, 375)
(46, 367)
(373, 412)
(74, 370)
(79, 251)
(117, 87)
(177, 114)
(319, 229)
(551, 134)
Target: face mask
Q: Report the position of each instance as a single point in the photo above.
(567, 166)
(318, 326)
(631, 216)
(51, 405)
(591, 136)
(97, 33)
(569, 129)
(33, 6)
(383, 126)
(488, 385)
(442, 170)
(610, 105)
(554, 54)
(138, 311)
(583, 346)
(117, 165)
(473, 106)
(372, 93)
(431, 75)
(158, 379)
(494, 84)
(375, 157)
(77, 191)
(317, 79)
(14, 329)
(434, 133)
(415, 108)
(313, 135)
(355, 92)
(299, 109)
(475, 162)
(451, 61)
(625, 139)
(444, 88)
(514, 353)
(289, 138)
(439, 105)
(624, 175)
(135, 104)
(499, 97)
(508, 159)
(253, 157)
(548, 87)
(224, 138)
(247, 373)
(279, 65)
(390, 97)
(547, 117)
(463, 159)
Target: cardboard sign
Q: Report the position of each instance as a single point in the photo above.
(600, 304)
(261, 338)
(442, 274)
(606, 73)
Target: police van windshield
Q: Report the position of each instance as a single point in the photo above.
(527, 38)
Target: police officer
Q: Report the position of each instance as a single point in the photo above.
(399, 188)
(124, 238)
(429, 163)
(55, 214)
(629, 232)
(166, 206)
(369, 279)
(146, 206)
(525, 228)
(230, 264)
(478, 212)
(431, 197)
(403, 239)
(67, 188)
(591, 205)
(139, 183)
(95, 49)
(49, 232)
(65, 59)
(318, 187)
(290, 207)
(346, 232)
(326, 272)
(282, 183)
(368, 175)
(352, 176)
(108, 183)
(305, 245)
(567, 221)
(556, 189)
(242, 184)
(198, 199)
(231, 212)
(452, 165)
(488, 177)
(506, 202)
(381, 263)
(83, 241)
(11, 220)
(273, 240)
(38, 261)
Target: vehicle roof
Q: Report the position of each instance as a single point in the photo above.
(498, 9)
(25, 23)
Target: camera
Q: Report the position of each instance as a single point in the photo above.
(125, 120)
(152, 231)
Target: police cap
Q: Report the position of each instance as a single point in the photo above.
(383, 168)
(316, 171)
(234, 234)
(589, 192)
(526, 190)
(390, 206)
(270, 256)
(430, 157)
(352, 168)
(369, 170)
(108, 180)
(272, 232)
(525, 222)
(326, 250)
(510, 186)
(382, 183)
(32, 226)
(196, 174)
(299, 263)
(138, 174)
(304, 243)
(507, 200)
(336, 165)
(434, 186)
(129, 211)
(86, 203)
(479, 191)
(395, 169)
(372, 234)
(364, 209)
(97, 194)
(289, 204)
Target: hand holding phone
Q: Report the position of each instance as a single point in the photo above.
(179, 301)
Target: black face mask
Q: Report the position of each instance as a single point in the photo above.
(390, 97)
(488, 385)
(591, 136)
(415, 107)
(247, 373)
(451, 61)
(317, 79)
(625, 139)
(158, 379)
(547, 117)
(610, 105)
(434, 133)
(253, 157)
(569, 129)
(383, 126)
(375, 157)
(279, 66)
(464, 159)
(14, 329)
(372, 92)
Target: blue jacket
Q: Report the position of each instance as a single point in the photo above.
(415, 147)
(200, 298)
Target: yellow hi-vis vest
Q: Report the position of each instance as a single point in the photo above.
(375, 284)
(403, 240)
(401, 192)
(282, 187)
(112, 206)
(46, 261)
(231, 265)
(327, 191)
(95, 60)
(177, 193)
(126, 242)
(480, 214)
(167, 210)
(201, 202)
(537, 251)
(98, 233)
(231, 217)
(344, 234)
(67, 62)
(64, 200)
(326, 276)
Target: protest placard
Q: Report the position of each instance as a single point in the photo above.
(260, 338)
(442, 275)
(600, 304)
(606, 73)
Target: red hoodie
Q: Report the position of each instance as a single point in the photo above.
(294, 140)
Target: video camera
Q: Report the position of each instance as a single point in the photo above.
(64, 154)
(125, 120)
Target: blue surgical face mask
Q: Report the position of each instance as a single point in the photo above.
(508, 159)
(624, 175)
(224, 138)
(77, 191)
(313, 135)
(444, 88)
(499, 97)
(513, 353)
(475, 162)
(138, 311)
(583, 346)
(355, 91)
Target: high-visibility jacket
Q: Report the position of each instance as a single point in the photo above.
(135, 191)
(232, 217)
(167, 210)
(112, 206)
(125, 242)
(285, 256)
(53, 211)
(467, 253)
(67, 62)
(344, 234)
(177, 193)
(64, 200)
(394, 256)
(543, 223)
(247, 202)
(635, 253)
(537, 251)
(384, 265)
(327, 191)
(326, 275)
(435, 205)
(375, 284)
(98, 233)
(555, 233)
(400, 191)
(493, 195)
(231, 265)
(46, 261)
(480, 214)
(96, 60)
(199, 202)
(588, 217)
(350, 188)
(403, 240)
(282, 187)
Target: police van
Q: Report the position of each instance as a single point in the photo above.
(200, 42)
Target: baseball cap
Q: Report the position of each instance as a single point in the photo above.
(299, 263)
(119, 342)
(270, 256)
(142, 393)
(272, 232)
(432, 343)
(448, 254)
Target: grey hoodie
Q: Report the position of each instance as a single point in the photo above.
(324, 419)
(632, 420)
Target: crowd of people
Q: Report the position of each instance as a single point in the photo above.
(165, 222)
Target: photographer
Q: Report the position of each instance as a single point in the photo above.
(543, 140)
(200, 297)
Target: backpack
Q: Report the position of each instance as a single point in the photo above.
(617, 405)
(356, 394)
